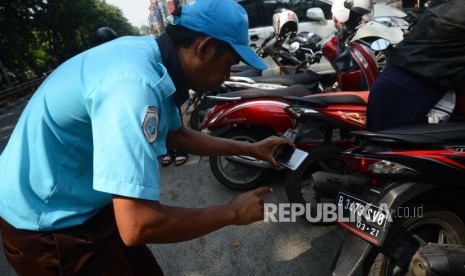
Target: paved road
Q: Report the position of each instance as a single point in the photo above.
(263, 248)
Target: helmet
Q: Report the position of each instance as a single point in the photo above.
(104, 34)
(284, 22)
(343, 9)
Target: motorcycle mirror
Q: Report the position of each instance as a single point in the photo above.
(380, 44)
(294, 47)
(315, 14)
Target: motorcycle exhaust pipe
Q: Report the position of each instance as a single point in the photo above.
(329, 184)
(247, 160)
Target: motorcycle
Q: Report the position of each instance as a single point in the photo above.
(255, 115)
(332, 127)
(412, 179)
(300, 184)
(294, 67)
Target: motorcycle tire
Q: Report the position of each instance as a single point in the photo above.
(437, 226)
(199, 113)
(243, 176)
(299, 186)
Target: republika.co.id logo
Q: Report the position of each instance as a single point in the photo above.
(329, 212)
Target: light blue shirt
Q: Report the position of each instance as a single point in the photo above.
(94, 128)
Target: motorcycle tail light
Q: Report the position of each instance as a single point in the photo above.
(378, 166)
(389, 167)
(360, 164)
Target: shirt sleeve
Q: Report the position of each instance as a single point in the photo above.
(125, 160)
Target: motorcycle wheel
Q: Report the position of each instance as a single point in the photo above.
(381, 60)
(438, 226)
(300, 187)
(235, 175)
(381, 57)
(199, 113)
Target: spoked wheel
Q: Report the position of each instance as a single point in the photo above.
(439, 226)
(380, 56)
(240, 175)
(300, 187)
(381, 60)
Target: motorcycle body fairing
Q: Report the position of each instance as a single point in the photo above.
(268, 112)
(344, 108)
(355, 65)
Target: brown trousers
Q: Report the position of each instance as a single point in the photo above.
(93, 248)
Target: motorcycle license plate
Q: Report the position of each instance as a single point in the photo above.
(368, 221)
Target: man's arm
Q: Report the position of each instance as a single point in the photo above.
(141, 221)
(202, 144)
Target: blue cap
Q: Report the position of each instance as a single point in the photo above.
(225, 20)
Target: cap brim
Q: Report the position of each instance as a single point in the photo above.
(249, 57)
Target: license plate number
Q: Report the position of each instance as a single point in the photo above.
(366, 220)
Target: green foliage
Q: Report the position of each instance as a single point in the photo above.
(38, 35)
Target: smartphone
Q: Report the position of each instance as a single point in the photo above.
(290, 157)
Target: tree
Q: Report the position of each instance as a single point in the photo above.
(40, 34)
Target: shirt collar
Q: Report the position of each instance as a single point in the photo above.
(170, 59)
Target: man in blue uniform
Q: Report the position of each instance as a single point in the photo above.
(79, 178)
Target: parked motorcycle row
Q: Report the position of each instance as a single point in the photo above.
(253, 114)
(403, 186)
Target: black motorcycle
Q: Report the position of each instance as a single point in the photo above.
(414, 179)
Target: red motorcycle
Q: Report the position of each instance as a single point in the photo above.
(252, 115)
(354, 63)
(320, 119)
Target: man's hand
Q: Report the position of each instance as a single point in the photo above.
(264, 149)
(248, 207)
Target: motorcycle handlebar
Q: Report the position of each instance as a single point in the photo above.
(268, 48)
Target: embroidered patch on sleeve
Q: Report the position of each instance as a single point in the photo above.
(150, 125)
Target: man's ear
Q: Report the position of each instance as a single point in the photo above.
(205, 47)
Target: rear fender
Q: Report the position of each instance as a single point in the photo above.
(351, 255)
(403, 193)
(354, 250)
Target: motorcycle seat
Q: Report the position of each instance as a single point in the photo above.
(298, 90)
(325, 99)
(288, 80)
(340, 98)
(419, 134)
(247, 73)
